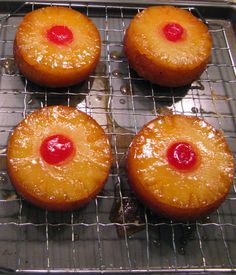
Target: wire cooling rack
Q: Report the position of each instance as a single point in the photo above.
(114, 233)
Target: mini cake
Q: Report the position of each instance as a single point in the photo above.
(167, 46)
(56, 46)
(58, 158)
(180, 166)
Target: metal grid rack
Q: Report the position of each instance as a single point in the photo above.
(114, 233)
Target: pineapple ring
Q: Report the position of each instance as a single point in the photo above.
(184, 194)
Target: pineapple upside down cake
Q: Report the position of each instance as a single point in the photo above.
(167, 46)
(58, 158)
(180, 166)
(56, 46)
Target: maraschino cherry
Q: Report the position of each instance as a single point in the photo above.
(60, 35)
(182, 156)
(173, 32)
(56, 149)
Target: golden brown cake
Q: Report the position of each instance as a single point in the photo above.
(167, 46)
(58, 158)
(56, 46)
(180, 166)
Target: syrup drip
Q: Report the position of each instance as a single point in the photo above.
(3, 179)
(9, 66)
(117, 73)
(125, 90)
(187, 235)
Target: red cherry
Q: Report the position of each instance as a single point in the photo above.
(173, 32)
(182, 156)
(56, 149)
(60, 35)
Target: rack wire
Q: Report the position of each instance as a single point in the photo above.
(114, 233)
